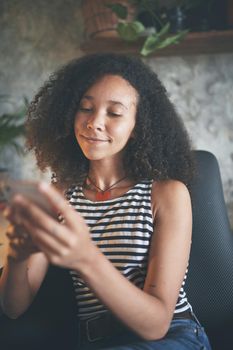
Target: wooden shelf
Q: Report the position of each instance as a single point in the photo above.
(193, 44)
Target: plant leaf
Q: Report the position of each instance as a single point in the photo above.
(12, 127)
(150, 44)
(120, 10)
(11, 132)
(171, 40)
(164, 30)
(155, 42)
(130, 31)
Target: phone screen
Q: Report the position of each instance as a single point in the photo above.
(9, 188)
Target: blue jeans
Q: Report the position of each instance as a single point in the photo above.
(183, 334)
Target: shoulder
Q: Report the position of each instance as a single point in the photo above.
(169, 195)
(169, 188)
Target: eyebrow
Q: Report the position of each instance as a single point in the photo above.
(88, 97)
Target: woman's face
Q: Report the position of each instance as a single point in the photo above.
(106, 118)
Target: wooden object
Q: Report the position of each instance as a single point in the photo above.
(194, 43)
(99, 20)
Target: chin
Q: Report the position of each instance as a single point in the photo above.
(94, 155)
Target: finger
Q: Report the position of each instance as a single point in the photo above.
(16, 241)
(32, 217)
(57, 201)
(11, 233)
(19, 251)
(10, 229)
(27, 242)
(28, 212)
(11, 214)
(7, 212)
(21, 244)
(16, 231)
(52, 241)
(50, 247)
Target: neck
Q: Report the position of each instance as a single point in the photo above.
(105, 174)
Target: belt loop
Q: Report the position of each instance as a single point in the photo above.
(88, 330)
(195, 318)
(99, 327)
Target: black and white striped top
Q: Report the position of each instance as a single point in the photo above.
(122, 229)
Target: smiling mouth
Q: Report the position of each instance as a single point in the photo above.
(93, 139)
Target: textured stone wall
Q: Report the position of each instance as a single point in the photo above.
(35, 38)
(38, 36)
(201, 87)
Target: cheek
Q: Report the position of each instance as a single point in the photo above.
(77, 123)
(77, 130)
(130, 127)
(124, 132)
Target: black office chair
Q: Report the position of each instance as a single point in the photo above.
(210, 279)
(49, 323)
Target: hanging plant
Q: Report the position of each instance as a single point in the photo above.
(157, 37)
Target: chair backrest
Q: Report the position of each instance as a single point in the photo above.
(210, 280)
(50, 322)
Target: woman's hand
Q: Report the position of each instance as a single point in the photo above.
(21, 245)
(69, 244)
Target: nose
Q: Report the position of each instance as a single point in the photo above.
(96, 122)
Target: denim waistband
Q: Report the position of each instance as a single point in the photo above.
(106, 325)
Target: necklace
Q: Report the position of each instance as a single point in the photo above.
(103, 195)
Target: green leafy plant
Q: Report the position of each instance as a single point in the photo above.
(12, 127)
(135, 29)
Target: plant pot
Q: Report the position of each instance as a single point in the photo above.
(99, 20)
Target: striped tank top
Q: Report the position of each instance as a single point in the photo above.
(122, 228)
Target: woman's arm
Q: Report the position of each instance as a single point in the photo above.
(148, 312)
(20, 281)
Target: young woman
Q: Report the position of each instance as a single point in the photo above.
(105, 126)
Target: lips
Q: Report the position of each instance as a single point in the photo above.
(93, 139)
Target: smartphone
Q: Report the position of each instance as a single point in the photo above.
(29, 189)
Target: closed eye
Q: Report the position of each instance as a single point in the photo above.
(82, 109)
(112, 114)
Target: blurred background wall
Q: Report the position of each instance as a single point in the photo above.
(38, 36)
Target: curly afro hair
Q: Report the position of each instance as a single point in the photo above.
(160, 149)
